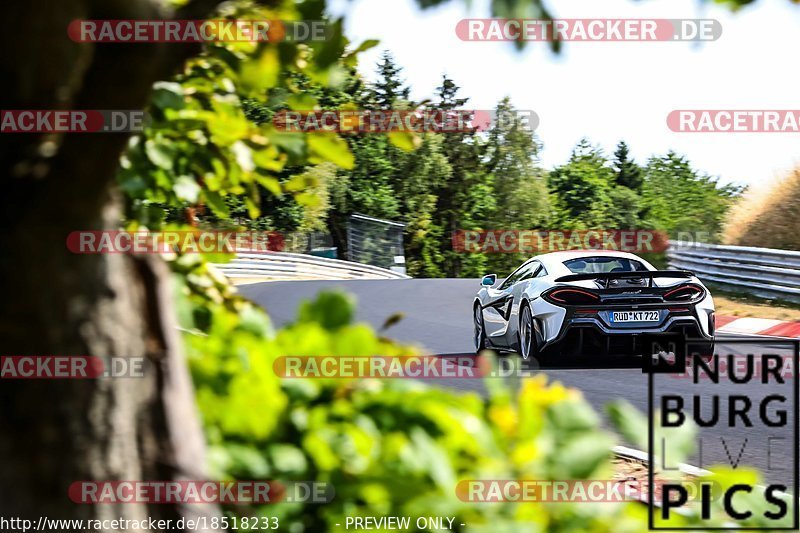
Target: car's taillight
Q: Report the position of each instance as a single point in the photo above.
(570, 296)
(684, 293)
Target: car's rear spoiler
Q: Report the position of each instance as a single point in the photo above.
(649, 274)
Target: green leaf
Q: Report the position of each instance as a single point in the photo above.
(573, 416)
(168, 95)
(293, 144)
(307, 199)
(269, 183)
(404, 140)
(301, 102)
(246, 461)
(629, 422)
(133, 184)
(633, 426)
(582, 456)
(332, 47)
(300, 182)
(351, 59)
(186, 189)
(252, 207)
(228, 125)
(288, 459)
(217, 204)
(269, 158)
(159, 154)
(331, 309)
(331, 147)
(261, 73)
(366, 45)
(256, 321)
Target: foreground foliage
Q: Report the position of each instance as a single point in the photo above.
(398, 447)
(389, 447)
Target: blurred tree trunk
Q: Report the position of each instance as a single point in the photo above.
(55, 432)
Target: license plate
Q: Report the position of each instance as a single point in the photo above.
(634, 316)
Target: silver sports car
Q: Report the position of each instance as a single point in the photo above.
(589, 302)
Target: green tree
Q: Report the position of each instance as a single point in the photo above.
(424, 174)
(389, 89)
(677, 197)
(628, 172)
(519, 185)
(372, 186)
(464, 200)
(581, 188)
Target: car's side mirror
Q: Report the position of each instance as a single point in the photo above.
(489, 280)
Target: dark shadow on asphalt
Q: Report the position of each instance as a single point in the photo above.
(587, 361)
(571, 362)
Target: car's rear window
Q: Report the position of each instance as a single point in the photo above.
(591, 265)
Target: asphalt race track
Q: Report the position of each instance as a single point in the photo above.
(438, 316)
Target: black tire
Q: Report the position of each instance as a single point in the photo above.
(529, 337)
(479, 336)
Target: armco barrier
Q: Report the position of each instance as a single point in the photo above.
(280, 265)
(764, 272)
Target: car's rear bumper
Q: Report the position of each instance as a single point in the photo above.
(591, 335)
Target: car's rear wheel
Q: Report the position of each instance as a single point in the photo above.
(528, 336)
(480, 332)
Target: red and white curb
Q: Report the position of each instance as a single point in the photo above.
(643, 457)
(757, 326)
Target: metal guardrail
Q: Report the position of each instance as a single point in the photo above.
(764, 272)
(287, 266)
